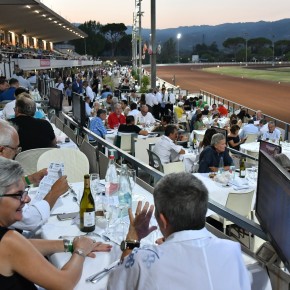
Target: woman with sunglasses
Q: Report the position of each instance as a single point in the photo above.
(22, 261)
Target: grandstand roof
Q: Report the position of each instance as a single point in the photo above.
(34, 19)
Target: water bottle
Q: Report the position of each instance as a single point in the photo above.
(221, 166)
(125, 191)
(111, 178)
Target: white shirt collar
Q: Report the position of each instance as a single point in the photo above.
(189, 235)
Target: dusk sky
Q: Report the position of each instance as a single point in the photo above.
(172, 13)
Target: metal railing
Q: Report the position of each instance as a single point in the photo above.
(239, 220)
(233, 106)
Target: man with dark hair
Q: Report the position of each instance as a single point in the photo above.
(97, 123)
(125, 108)
(4, 86)
(8, 95)
(165, 148)
(165, 120)
(250, 128)
(189, 257)
(130, 127)
(33, 133)
(133, 110)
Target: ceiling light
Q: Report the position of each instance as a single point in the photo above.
(43, 15)
(36, 11)
(55, 21)
(27, 6)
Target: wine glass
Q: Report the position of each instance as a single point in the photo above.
(108, 210)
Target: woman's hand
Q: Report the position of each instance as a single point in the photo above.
(89, 246)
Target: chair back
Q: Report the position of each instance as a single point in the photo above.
(173, 167)
(76, 163)
(251, 138)
(91, 152)
(141, 145)
(154, 161)
(124, 141)
(240, 202)
(28, 159)
(70, 133)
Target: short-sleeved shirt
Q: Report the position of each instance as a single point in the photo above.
(33, 133)
(236, 140)
(129, 129)
(167, 150)
(114, 120)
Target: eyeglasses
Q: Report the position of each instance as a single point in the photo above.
(17, 150)
(20, 195)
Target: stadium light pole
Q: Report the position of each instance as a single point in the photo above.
(246, 37)
(178, 37)
(273, 41)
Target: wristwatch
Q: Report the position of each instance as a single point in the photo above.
(129, 244)
(79, 252)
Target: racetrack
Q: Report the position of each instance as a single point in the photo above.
(270, 97)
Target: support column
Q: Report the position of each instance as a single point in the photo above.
(12, 38)
(34, 42)
(153, 43)
(44, 44)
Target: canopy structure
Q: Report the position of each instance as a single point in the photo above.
(34, 19)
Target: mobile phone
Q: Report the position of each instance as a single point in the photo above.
(67, 216)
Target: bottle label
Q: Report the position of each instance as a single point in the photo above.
(111, 188)
(89, 219)
(243, 173)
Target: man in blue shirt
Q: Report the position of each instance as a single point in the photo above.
(8, 95)
(97, 126)
(210, 157)
(250, 128)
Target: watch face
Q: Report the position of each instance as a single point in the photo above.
(123, 246)
(129, 245)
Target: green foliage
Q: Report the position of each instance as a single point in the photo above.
(145, 81)
(168, 52)
(108, 82)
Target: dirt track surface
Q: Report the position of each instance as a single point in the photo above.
(270, 97)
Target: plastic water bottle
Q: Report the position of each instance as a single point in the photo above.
(221, 166)
(111, 178)
(125, 191)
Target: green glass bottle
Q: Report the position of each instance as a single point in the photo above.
(242, 168)
(87, 208)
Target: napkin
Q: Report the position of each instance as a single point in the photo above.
(239, 184)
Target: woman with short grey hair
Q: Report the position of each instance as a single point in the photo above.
(22, 261)
(210, 157)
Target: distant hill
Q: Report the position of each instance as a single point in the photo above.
(192, 35)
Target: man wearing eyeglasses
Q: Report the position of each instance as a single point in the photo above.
(37, 214)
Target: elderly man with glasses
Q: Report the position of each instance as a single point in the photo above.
(37, 214)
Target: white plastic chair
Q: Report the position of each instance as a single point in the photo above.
(251, 138)
(28, 159)
(239, 202)
(173, 167)
(76, 164)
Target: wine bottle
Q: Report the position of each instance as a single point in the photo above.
(87, 208)
(242, 168)
(221, 168)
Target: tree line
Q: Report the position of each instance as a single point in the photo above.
(111, 40)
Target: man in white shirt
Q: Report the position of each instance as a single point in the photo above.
(37, 214)
(59, 84)
(165, 148)
(188, 256)
(144, 117)
(263, 127)
(273, 133)
(134, 112)
(88, 90)
(22, 81)
(151, 100)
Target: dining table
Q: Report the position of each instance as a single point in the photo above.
(56, 229)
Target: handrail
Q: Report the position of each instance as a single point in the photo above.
(238, 106)
(245, 223)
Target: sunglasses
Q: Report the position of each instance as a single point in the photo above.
(20, 195)
(17, 150)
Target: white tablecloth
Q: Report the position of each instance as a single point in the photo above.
(55, 228)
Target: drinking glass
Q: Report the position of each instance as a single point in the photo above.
(109, 211)
(94, 185)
